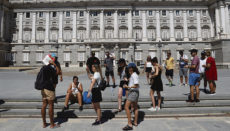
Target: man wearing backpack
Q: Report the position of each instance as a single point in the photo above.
(48, 74)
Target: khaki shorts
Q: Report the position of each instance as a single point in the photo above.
(47, 94)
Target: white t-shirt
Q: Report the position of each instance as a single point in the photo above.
(149, 64)
(201, 68)
(74, 88)
(134, 79)
(97, 77)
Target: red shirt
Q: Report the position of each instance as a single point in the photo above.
(211, 72)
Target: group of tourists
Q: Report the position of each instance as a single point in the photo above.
(203, 68)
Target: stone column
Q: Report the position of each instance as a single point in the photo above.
(158, 26)
(227, 21)
(102, 29)
(74, 35)
(47, 27)
(185, 25)
(115, 24)
(87, 24)
(198, 25)
(217, 22)
(130, 24)
(1, 11)
(144, 26)
(102, 53)
(211, 26)
(60, 40)
(33, 38)
(20, 27)
(172, 36)
(223, 19)
(2, 25)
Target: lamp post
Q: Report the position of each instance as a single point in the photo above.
(159, 46)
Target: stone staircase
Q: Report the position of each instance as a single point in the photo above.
(171, 107)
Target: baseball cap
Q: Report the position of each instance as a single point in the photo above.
(131, 65)
(53, 55)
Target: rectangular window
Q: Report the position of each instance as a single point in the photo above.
(26, 57)
(40, 14)
(137, 13)
(67, 56)
(109, 13)
(123, 55)
(15, 15)
(190, 12)
(123, 13)
(39, 56)
(81, 56)
(54, 14)
(138, 55)
(152, 54)
(204, 13)
(95, 13)
(27, 14)
(163, 12)
(67, 14)
(150, 13)
(13, 56)
(177, 13)
(81, 13)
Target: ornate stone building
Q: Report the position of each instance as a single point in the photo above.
(129, 29)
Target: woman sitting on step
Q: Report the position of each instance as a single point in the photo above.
(74, 93)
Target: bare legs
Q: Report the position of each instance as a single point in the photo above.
(51, 112)
(97, 109)
(192, 92)
(127, 105)
(153, 99)
(69, 95)
(186, 79)
(212, 86)
(147, 76)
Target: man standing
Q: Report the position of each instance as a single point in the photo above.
(108, 63)
(182, 70)
(194, 76)
(202, 69)
(92, 61)
(60, 71)
(48, 91)
(169, 68)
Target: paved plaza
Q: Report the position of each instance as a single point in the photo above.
(160, 124)
(20, 85)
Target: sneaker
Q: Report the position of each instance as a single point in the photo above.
(197, 100)
(158, 108)
(181, 84)
(107, 85)
(212, 94)
(152, 109)
(65, 108)
(96, 123)
(80, 108)
(186, 85)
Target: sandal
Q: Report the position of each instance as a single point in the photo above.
(55, 126)
(45, 125)
(134, 124)
(126, 128)
(119, 110)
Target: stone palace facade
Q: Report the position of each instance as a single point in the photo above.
(129, 29)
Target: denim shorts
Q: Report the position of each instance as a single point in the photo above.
(194, 79)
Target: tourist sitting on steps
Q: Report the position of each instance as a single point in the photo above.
(74, 93)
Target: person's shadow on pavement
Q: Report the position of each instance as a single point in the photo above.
(107, 115)
(63, 117)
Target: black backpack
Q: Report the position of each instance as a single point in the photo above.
(39, 80)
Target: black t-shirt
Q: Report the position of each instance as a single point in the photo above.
(59, 66)
(92, 61)
(49, 74)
